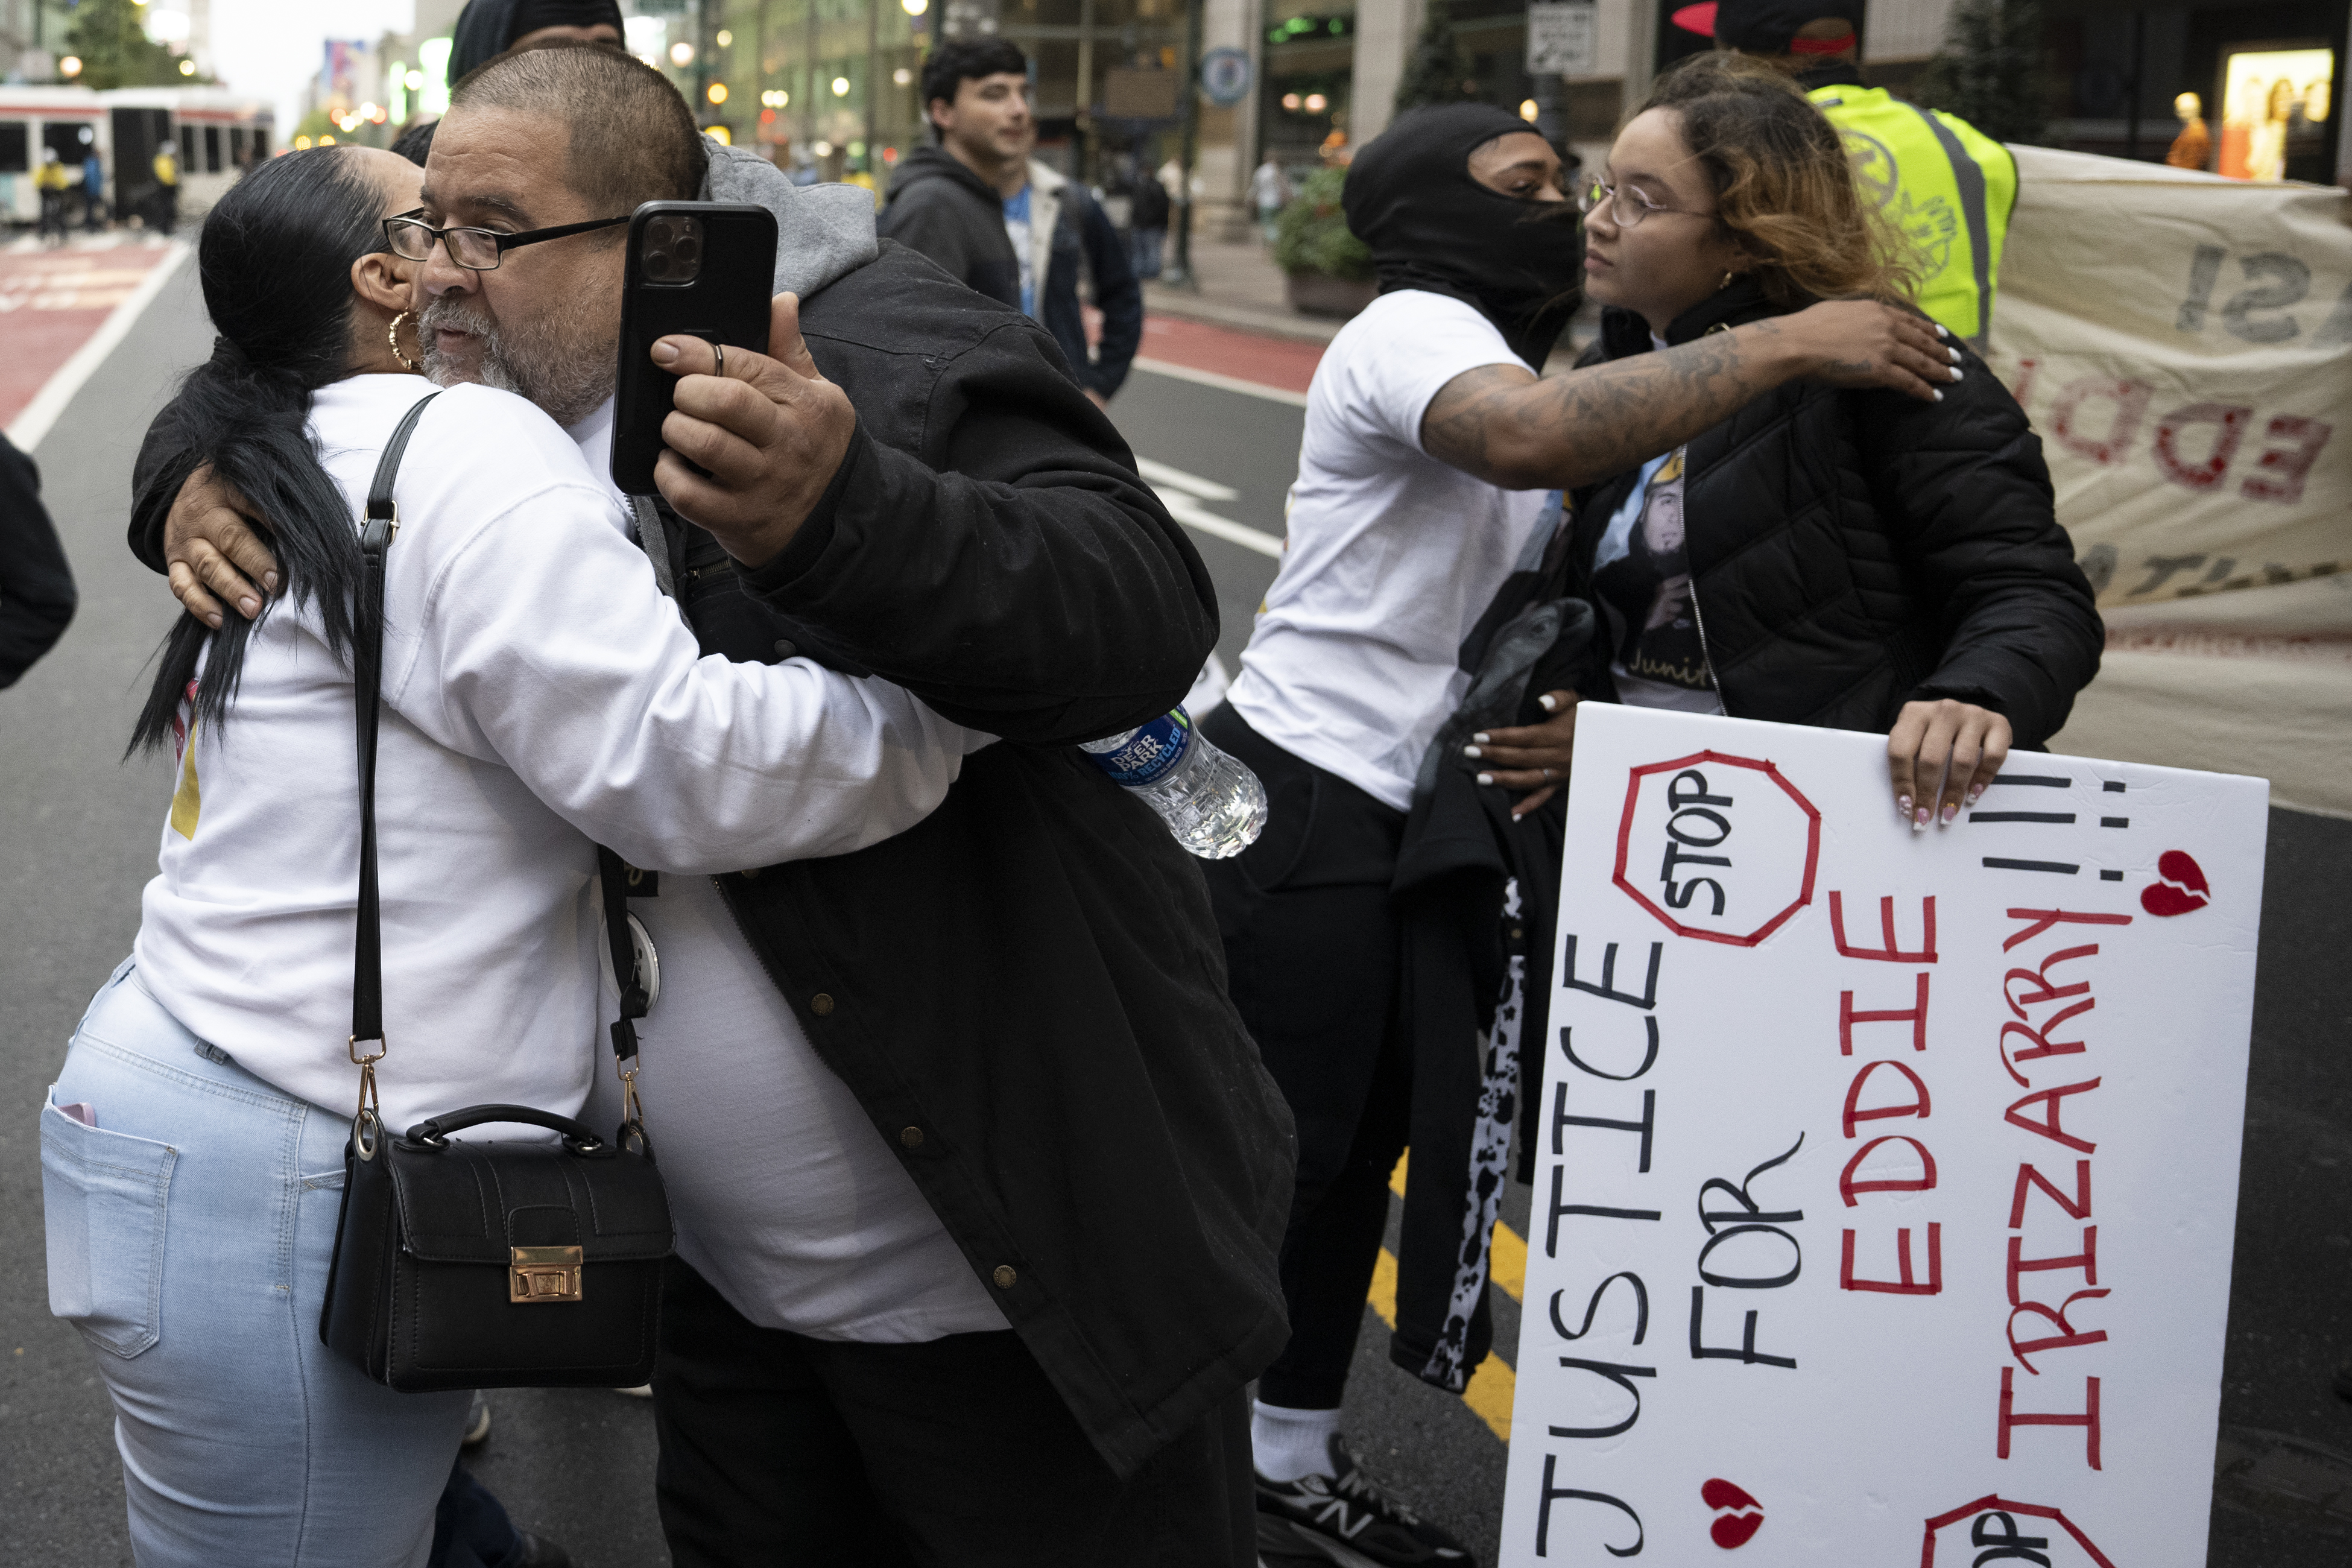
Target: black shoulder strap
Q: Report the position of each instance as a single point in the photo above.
(367, 968)
(382, 521)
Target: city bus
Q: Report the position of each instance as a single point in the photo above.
(217, 131)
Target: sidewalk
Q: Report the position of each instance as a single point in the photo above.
(1239, 287)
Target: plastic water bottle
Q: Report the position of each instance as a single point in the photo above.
(1213, 804)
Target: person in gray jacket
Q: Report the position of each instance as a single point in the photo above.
(1005, 224)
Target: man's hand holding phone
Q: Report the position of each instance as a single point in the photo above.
(769, 430)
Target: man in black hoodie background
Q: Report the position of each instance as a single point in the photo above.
(1005, 225)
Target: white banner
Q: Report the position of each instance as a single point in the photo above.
(2183, 344)
(1885, 1180)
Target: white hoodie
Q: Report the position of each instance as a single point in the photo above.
(540, 697)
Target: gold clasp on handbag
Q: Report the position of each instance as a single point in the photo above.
(543, 1274)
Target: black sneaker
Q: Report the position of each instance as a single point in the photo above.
(1346, 1519)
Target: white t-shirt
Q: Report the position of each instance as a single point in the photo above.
(540, 697)
(784, 1195)
(1393, 555)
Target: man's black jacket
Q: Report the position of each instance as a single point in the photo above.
(1850, 551)
(1025, 992)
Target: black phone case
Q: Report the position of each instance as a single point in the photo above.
(726, 303)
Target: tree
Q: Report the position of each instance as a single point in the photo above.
(1435, 73)
(115, 49)
(1992, 71)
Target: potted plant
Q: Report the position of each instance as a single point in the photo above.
(1328, 269)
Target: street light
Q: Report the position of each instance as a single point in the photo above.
(718, 92)
(71, 66)
(841, 87)
(914, 7)
(187, 68)
(681, 54)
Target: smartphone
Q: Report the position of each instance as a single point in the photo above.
(702, 270)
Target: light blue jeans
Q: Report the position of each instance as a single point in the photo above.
(189, 1236)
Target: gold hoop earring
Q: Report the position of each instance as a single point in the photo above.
(392, 336)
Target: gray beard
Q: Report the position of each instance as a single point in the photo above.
(567, 381)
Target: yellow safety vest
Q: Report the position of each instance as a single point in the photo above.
(167, 169)
(1943, 183)
(50, 177)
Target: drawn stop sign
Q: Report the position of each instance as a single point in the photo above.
(1719, 847)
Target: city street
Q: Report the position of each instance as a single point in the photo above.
(78, 827)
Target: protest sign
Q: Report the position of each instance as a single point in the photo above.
(1885, 1180)
(2183, 344)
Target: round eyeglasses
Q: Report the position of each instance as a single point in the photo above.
(1627, 207)
(475, 249)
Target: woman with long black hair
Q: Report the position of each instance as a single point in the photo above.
(540, 699)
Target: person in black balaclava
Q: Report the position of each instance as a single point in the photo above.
(1434, 226)
(489, 28)
(1430, 446)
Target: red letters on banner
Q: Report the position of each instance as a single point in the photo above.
(1906, 1281)
(2025, 1039)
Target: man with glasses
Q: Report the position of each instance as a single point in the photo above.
(975, 1174)
(1432, 437)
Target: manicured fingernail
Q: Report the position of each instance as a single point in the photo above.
(1955, 353)
(1551, 704)
(1903, 804)
(1974, 791)
(1919, 820)
(270, 581)
(1482, 737)
(1952, 814)
(1955, 372)
(249, 605)
(1485, 778)
(665, 353)
(1941, 333)
(1939, 397)
(1473, 752)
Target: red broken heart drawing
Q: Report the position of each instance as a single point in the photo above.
(1745, 1517)
(2183, 888)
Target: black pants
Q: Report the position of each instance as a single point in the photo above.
(1312, 949)
(777, 1450)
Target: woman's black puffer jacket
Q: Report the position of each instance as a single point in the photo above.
(1850, 551)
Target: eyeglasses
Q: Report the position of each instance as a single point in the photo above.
(475, 249)
(1627, 206)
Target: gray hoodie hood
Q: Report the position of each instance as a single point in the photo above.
(823, 232)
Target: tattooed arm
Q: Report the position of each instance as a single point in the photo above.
(1508, 428)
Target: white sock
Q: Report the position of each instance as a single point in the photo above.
(1289, 1444)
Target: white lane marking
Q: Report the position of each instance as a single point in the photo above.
(1223, 383)
(1161, 474)
(26, 430)
(1186, 509)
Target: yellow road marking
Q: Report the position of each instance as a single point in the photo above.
(1508, 1261)
(1493, 1382)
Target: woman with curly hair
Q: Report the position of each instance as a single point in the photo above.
(1827, 556)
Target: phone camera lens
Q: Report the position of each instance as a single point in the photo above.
(658, 263)
(688, 249)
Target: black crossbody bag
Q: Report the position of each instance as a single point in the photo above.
(485, 1264)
